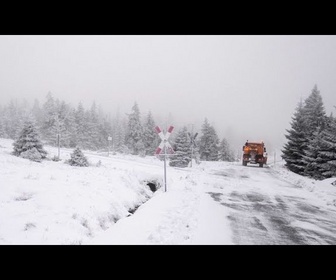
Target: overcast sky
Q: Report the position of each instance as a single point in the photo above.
(247, 86)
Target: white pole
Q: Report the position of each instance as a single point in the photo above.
(165, 179)
(58, 140)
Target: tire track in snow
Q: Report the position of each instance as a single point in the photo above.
(262, 216)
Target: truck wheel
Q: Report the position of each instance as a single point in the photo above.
(261, 165)
(245, 163)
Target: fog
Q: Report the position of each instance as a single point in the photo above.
(246, 86)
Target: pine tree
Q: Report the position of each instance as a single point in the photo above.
(37, 114)
(65, 124)
(71, 127)
(134, 135)
(3, 133)
(294, 149)
(93, 127)
(149, 135)
(181, 146)
(205, 140)
(193, 145)
(313, 113)
(328, 149)
(315, 120)
(78, 158)
(82, 128)
(13, 120)
(225, 153)
(214, 148)
(49, 112)
(104, 129)
(118, 133)
(28, 145)
(208, 142)
(312, 159)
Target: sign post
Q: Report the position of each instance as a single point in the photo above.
(58, 144)
(109, 139)
(164, 143)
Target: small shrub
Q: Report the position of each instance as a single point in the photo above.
(32, 154)
(77, 158)
(29, 226)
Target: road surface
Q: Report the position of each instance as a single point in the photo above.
(265, 209)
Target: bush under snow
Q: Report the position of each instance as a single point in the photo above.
(78, 158)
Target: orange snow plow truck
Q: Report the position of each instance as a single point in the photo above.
(255, 153)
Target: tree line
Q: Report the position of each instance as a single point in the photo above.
(311, 147)
(89, 129)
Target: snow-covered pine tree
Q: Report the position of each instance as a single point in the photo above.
(294, 150)
(181, 146)
(225, 152)
(37, 113)
(71, 127)
(13, 121)
(315, 120)
(151, 141)
(93, 128)
(3, 133)
(196, 151)
(104, 129)
(208, 142)
(28, 145)
(118, 133)
(77, 158)
(81, 119)
(214, 148)
(313, 113)
(328, 149)
(134, 134)
(65, 124)
(204, 146)
(312, 159)
(49, 112)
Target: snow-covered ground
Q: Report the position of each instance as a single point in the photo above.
(54, 203)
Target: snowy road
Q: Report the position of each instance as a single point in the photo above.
(266, 209)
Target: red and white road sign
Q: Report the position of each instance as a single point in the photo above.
(164, 139)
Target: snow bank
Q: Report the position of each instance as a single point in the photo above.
(55, 203)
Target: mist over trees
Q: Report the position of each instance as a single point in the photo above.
(89, 129)
(311, 147)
